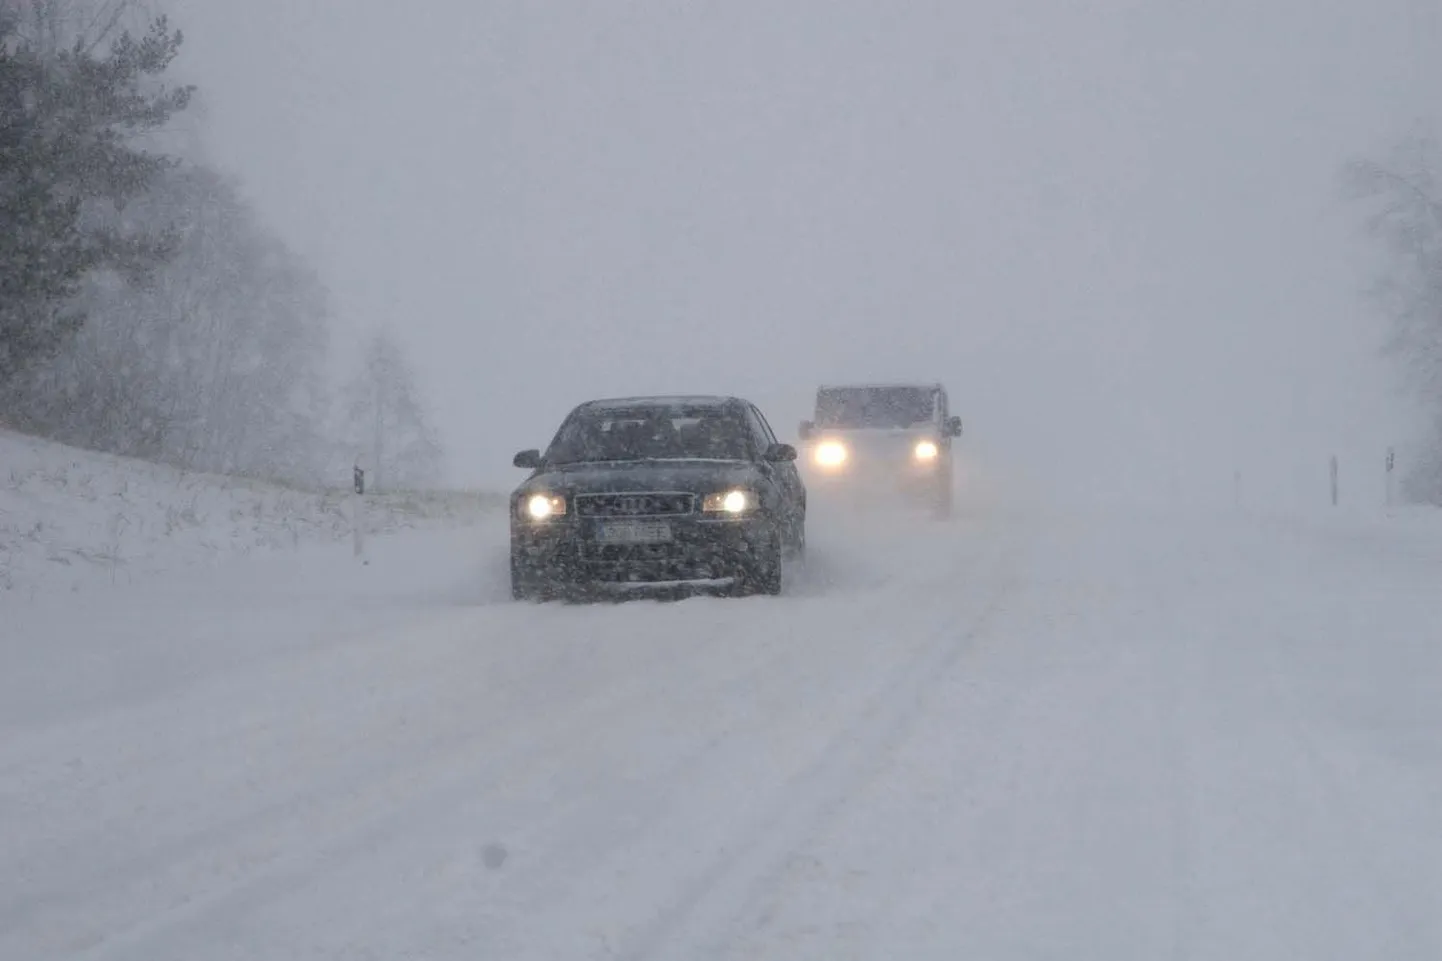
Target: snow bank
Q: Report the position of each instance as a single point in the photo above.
(69, 518)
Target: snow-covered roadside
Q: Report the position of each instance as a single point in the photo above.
(1017, 735)
(73, 519)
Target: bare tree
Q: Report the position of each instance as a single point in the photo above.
(51, 26)
(1404, 197)
(217, 364)
(386, 418)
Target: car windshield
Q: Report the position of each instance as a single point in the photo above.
(874, 406)
(651, 433)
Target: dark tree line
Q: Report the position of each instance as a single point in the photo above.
(144, 308)
(67, 121)
(1403, 199)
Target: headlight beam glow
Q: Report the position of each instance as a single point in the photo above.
(541, 506)
(831, 454)
(729, 502)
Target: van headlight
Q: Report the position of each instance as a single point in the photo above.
(831, 453)
(926, 450)
(729, 502)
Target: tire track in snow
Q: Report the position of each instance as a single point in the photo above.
(736, 888)
(522, 816)
(373, 804)
(1385, 895)
(610, 823)
(1266, 826)
(1023, 799)
(38, 768)
(444, 780)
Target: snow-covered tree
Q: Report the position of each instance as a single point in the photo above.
(217, 364)
(144, 309)
(69, 119)
(51, 26)
(387, 423)
(1404, 196)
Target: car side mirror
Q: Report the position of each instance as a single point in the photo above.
(806, 428)
(529, 459)
(780, 453)
(953, 426)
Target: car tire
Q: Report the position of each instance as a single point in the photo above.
(762, 571)
(526, 584)
(796, 547)
(941, 498)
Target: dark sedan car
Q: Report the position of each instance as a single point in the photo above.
(657, 491)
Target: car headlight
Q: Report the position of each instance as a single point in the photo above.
(729, 502)
(831, 454)
(539, 507)
(926, 450)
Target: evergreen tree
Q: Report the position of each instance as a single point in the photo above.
(68, 164)
(386, 419)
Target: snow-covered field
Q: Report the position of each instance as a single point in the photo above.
(1028, 733)
(72, 519)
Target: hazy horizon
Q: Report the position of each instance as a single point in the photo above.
(1116, 236)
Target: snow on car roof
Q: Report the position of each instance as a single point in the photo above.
(668, 400)
(883, 386)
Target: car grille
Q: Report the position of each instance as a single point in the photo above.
(651, 562)
(647, 504)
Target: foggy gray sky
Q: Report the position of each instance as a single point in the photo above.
(1112, 229)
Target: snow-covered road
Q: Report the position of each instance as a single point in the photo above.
(1023, 734)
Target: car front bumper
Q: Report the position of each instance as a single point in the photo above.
(570, 551)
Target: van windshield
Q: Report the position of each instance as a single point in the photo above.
(897, 407)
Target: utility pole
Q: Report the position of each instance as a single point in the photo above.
(379, 432)
(1391, 466)
(358, 512)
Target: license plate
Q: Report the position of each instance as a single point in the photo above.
(634, 532)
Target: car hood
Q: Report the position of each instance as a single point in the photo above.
(690, 476)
